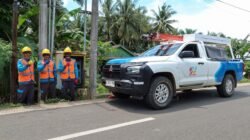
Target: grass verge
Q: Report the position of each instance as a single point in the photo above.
(9, 105)
(245, 80)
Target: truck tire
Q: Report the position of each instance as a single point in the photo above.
(226, 89)
(120, 95)
(160, 93)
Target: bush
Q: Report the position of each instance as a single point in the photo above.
(247, 69)
(101, 89)
(5, 55)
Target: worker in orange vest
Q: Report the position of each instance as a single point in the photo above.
(69, 74)
(26, 80)
(48, 76)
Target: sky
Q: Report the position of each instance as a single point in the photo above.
(203, 15)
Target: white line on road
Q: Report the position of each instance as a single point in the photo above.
(84, 133)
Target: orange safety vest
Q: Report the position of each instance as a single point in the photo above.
(69, 72)
(48, 71)
(26, 75)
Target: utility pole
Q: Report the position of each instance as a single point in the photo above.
(52, 45)
(43, 27)
(49, 21)
(13, 67)
(93, 50)
(85, 26)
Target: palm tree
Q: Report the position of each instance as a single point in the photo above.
(187, 31)
(80, 2)
(162, 19)
(108, 10)
(130, 22)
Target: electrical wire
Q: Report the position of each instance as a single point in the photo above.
(234, 6)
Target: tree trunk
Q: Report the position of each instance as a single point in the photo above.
(93, 51)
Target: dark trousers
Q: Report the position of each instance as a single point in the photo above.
(25, 94)
(68, 89)
(48, 90)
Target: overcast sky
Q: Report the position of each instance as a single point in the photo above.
(203, 15)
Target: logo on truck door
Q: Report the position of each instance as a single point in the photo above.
(192, 71)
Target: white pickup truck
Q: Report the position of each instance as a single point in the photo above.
(198, 61)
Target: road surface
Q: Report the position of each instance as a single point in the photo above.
(199, 115)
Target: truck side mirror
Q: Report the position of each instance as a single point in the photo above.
(186, 54)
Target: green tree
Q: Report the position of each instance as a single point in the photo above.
(69, 30)
(240, 47)
(130, 23)
(5, 54)
(216, 34)
(106, 21)
(162, 19)
(187, 31)
(80, 2)
(5, 19)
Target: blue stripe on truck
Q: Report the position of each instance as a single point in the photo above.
(121, 60)
(225, 66)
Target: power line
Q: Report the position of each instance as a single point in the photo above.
(234, 6)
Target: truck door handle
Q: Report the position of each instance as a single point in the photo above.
(200, 63)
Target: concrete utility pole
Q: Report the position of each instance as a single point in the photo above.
(49, 21)
(13, 67)
(85, 26)
(43, 28)
(93, 51)
(52, 45)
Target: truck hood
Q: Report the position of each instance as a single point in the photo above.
(138, 59)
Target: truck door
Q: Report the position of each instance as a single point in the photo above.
(193, 68)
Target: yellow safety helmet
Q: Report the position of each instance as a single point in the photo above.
(26, 49)
(67, 50)
(45, 51)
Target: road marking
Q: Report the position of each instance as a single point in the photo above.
(84, 133)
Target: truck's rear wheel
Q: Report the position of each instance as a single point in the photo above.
(120, 95)
(160, 94)
(226, 89)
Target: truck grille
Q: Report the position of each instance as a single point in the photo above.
(111, 71)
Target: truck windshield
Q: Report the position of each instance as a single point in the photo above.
(162, 50)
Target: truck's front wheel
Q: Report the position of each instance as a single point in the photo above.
(226, 89)
(160, 94)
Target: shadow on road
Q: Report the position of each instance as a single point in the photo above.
(194, 99)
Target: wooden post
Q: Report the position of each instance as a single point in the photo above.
(13, 67)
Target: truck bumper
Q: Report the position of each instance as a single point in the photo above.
(125, 86)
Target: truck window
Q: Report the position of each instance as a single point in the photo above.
(162, 50)
(217, 53)
(193, 48)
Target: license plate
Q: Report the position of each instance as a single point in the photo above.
(110, 83)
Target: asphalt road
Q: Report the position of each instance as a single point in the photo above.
(199, 115)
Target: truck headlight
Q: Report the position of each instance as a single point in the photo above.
(133, 70)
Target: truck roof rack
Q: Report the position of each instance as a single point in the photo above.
(207, 39)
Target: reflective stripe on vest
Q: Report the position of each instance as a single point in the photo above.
(26, 75)
(48, 71)
(69, 72)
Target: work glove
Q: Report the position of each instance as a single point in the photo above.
(30, 63)
(76, 81)
(47, 62)
(67, 65)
